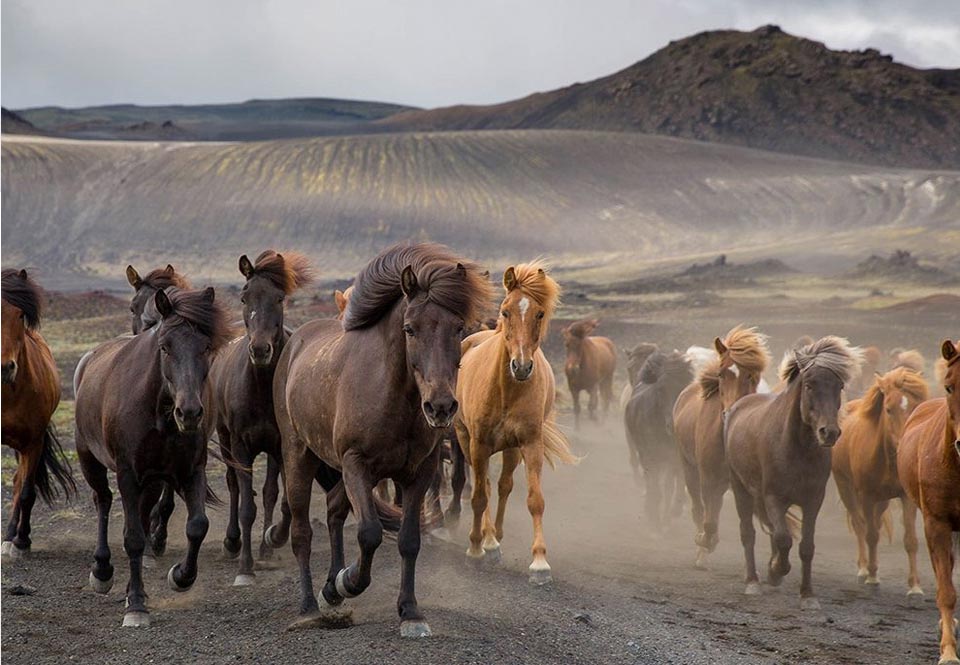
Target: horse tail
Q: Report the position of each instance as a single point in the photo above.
(556, 448)
(54, 465)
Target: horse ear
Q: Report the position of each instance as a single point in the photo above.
(719, 346)
(485, 274)
(340, 299)
(246, 268)
(209, 294)
(169, 269)
(408, 283)
(23, 274)
(948, 350)
(164, 306)
(541, 272)
(510, 279)
(462, 270)
(134, 277)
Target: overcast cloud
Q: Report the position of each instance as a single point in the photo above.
(419, 52)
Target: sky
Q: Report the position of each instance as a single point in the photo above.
(417, 52)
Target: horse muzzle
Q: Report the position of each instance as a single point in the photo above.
(261, 355)
(188, 420)
(440, 413)
(827, 436)
(9, 372)
(521, 371)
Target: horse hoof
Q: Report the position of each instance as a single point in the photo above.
(872, 581)
(540, 577)
(701, 561)
(492, 556)
(328, 618)
(244, 580)
(100, 586)
(442, 534)
(753, 589)
(809, 603)
(136, 620)
(268, 537)
(11, 552)
(172, 580)
(341, 584)
(148, 561)
(862, 576)
(474, 558)
(227, 550)
(415, 629)
(915, 592)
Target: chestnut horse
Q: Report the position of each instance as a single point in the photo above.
(371, 398)
(140, 412)
(31, 393)
(648, 420)
(506, 392)
(740, 360)
(778, 449)
(590, 364)
(928, 461)
(242, 379)
(865, 467)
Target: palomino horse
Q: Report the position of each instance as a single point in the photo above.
(140, 412)
(372, 398)
(506, 392)
(648, 419)
(778, 448)
(31, 392)
(242, 379)
(865, 467)
(591, 361)
(635, 359)
(740, 360)
(928, 461)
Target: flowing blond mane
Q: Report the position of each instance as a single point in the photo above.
(904, 379)
(747, 348)
(909, 358)
(830, 352)
(709, 379)
(534, 282)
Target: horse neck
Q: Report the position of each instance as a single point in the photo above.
(35, 366)
(802, 435)
(146, 343)
(951, 456)
(394, 349)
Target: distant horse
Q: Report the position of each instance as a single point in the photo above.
(589, 366)
(140, 412)
(778, 450)
(31, 392)
(369, 398)
(506, 392)
(909, 358)
(648, 420)
(739, 361)
(635, 359)
(865, 467)
(928, 461)
(872, 364)
(242, 380)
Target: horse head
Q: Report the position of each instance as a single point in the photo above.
(531, 296)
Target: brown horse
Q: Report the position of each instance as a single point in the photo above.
(140, 412)
(742, 357)
(591, 361)
(506, 392)
(909, 358)
(372, 398)
(31, 392)
(242, 379)
(648, 420)
(635, 359)
(865, 467)
(928, 461)
(778, 448)
(872, 364)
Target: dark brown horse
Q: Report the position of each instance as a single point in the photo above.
(635, 359)
(736, 371)
(31, 392)
(648, 419)
(778, 448)
(140, 412)
(928, 462)
(242, 378)
(591, 361)
(372, 399)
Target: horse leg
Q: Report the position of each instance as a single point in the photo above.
(182, 575)
(808, 600)
(299, 468)
(691, 476)
(478, 501)
(247, 514)
(134, 543)
(412, 622)
(338, 507)
(231, 539)
(575, 392)
(271, 493)
(940, 545)
(654, 496)
(748, 535)
(780, 540)
(14, 523)
(533, 463)
(511, 460)
(712, 489)
(592, 402)
(355, 579)
(27, 497)
(149, 500)
(874, 512)
(459, 479)
(910, 544)
(159, 518)
(397, 495)
(101, 576)
(606, 393)
(678, 491)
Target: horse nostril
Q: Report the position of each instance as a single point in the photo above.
(453, 407)
(428, 407)
(178, 412)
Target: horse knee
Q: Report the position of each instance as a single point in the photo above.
(782, 540)
(370, 535)
(410, 546)
(196, 528)
(134, 544)
(806, 551)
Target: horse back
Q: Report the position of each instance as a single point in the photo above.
(928, 466)
(604, 353)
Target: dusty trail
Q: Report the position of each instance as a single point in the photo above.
(621, 595)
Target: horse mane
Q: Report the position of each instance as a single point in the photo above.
(661, 364)
(747, 348)
(909, 358)
(582, 328)
(906, 380)
(709, 379)
(196, 309)
(19, 290)
(830, 352)
(533, 281)
(161, 278)
(288, 271)
(871, 356)
(467, 293)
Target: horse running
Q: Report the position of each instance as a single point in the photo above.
(635, 359)
(31, 393)
(506, 392)
(865, 467)
(591, 361)
(140, 412)
(736, 370)
(242, 379)
(371, 398)
(778, 449)
(928, 462)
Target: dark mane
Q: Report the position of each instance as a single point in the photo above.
(196, 309)
(660, 365)
(24, 294)
(161, 278)
(288, 271)
(467, 292)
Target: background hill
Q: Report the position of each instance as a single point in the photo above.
(14, 123)
(256, 119)
(765, 89)
(606, 204)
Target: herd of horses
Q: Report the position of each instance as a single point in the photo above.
(413, 339)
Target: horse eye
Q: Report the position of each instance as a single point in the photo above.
(164, 350)
(243, 300)
(539, 315)
(280, 299)
(505, 314)
(949, 389)
(408, 329)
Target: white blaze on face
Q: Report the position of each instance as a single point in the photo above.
(903, 403)
(736, 370)
(524, 305)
